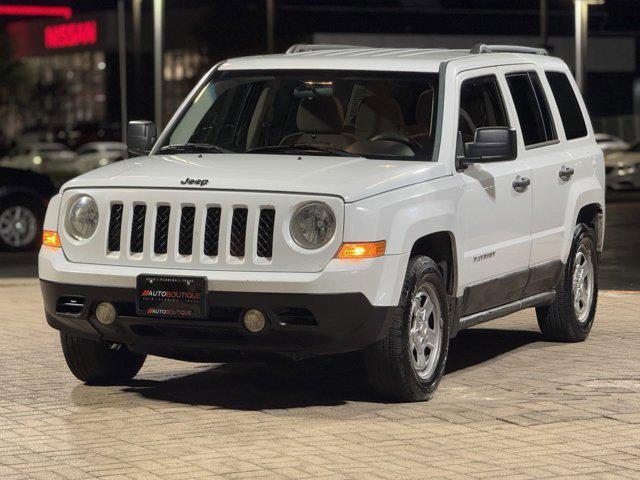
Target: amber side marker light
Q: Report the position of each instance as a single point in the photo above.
(50, 239)
(362, 250)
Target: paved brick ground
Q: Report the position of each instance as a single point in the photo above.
(511, 405)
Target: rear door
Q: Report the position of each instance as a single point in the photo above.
(553, 169)
(496, 216)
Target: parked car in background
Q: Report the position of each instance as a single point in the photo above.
(98, 154)
(48, 158)
(85, 132)
(623, 169)
(610, 143)
(24, 197)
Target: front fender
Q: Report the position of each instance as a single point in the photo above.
(403, 216)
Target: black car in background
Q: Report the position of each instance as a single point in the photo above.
(24, 197)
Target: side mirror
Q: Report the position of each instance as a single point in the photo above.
(491, 144)
(141, 136)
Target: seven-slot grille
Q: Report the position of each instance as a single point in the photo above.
(183, 220)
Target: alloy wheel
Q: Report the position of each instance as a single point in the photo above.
(18, 226)
(582, 284)
(425, 334)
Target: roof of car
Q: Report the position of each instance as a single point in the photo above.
(105, 145)
(327, 57)
(48, 145)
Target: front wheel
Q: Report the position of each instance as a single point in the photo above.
(100, 363)
(570, 317)
(409, 363)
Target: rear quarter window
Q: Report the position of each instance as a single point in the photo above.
(570, 112)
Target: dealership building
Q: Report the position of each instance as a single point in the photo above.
(75, 64)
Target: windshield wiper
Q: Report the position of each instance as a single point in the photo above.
(301, 149)
(193, 148)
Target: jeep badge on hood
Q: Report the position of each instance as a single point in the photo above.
(194, 181)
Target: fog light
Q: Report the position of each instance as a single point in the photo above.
(106, 313)
(254, 320)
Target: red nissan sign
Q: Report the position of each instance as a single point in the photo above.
(71, 34)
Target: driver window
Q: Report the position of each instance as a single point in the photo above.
(481, 105)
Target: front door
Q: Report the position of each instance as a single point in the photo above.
(496, 208)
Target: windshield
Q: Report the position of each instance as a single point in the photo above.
(369, 114)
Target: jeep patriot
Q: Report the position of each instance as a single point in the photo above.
(335, 199)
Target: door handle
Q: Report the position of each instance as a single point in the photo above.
(520, 184)
(565, 173)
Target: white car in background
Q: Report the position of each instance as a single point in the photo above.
(623, 169)
(610, 143)
(98, 154)
(47, 158)
(39, 157)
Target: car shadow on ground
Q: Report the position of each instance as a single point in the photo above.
(328, 381)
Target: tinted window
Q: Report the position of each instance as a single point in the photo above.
(570, 113)
(532, 108)
(481, 105)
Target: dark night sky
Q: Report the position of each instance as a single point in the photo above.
(416, 16)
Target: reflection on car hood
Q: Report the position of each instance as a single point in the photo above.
(347, 177)
(621, 159)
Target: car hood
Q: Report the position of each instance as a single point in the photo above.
(622, 159)
(348, 177)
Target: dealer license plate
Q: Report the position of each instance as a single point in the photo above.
(171, 297)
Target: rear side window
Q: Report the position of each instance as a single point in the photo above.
(570, 113)
(532, 108)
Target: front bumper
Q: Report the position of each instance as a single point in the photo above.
(299, 325)
(378, 279)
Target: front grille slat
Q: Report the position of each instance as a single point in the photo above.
(265, 232)
(238, 232)
(115, 227)
(212, 232)
(161, 241)
(137, 228)
(185, 242)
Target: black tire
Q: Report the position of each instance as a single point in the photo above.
(559, 321)
(100, 363)
(389, 362)
(36, 209)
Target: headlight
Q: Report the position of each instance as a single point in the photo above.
(312, 225)
(82, 218)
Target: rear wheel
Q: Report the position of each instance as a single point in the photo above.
(100, 363)
(409, 363)
(21, 221)
(570, 317)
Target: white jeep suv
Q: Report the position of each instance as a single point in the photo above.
(335, 199)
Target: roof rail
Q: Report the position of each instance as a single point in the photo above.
(482, 48)
(302, 47)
